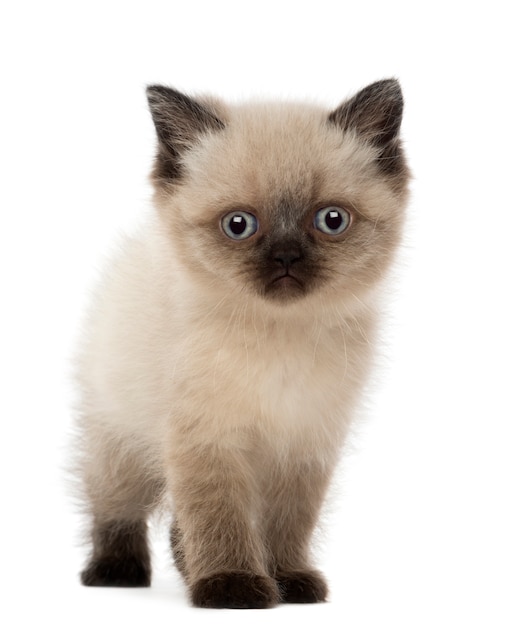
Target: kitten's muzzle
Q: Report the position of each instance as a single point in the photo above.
(285, 256)
(283, 271)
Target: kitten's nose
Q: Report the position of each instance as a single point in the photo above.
(286, 255)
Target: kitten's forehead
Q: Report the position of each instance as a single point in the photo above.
(280, 158)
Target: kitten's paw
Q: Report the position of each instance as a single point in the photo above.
(235, 590)
(109, 572)
(302, 586)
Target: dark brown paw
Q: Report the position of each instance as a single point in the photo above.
(116, 573)
(302, 587)
(235, 590)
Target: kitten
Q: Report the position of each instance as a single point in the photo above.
(230, 342)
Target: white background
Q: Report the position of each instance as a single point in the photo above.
(420, 527)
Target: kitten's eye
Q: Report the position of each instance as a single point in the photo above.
(239, 225)
(332, 220)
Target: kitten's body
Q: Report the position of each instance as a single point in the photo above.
(209, 375)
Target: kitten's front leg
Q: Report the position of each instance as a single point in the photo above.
(221, 552)
(295, 497)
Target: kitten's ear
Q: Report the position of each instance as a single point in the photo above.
(375, 113)
(179, 121)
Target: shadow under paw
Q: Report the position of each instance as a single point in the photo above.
(235, 590)
(302, 587)
(110, 572)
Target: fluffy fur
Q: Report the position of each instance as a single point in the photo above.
(222, 375)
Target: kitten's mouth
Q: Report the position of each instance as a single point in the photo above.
(286, 286)
(286, 280)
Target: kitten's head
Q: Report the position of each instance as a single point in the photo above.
(282, 202)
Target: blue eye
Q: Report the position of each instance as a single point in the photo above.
(332, 220)
(239, 225)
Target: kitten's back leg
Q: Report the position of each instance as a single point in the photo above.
(120, 555)
(121, 493)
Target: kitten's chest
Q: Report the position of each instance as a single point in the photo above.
(293, 386)
(282, 377)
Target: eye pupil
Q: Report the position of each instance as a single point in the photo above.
(333, 220)
(237, 224)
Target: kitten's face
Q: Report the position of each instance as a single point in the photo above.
(281, 201)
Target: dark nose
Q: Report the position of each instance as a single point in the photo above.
(286, 254)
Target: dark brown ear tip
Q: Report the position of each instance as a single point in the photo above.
(154, 89)
(392, 83)
(388, 83)
(388, 88)
(157, 93)
(394, 88)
